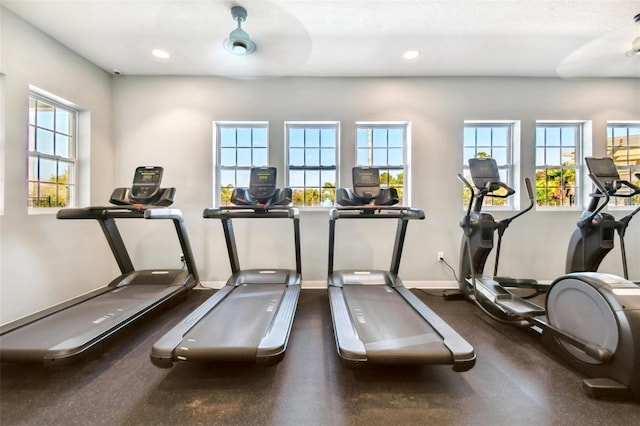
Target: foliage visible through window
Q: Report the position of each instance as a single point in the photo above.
(240, 147)
(52, 153)
(382, 145)
(623, 145)
(488, 140)
(312, 162)
(558, 153)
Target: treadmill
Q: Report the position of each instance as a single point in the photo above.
(375, 318)
(66, 332)
(250, 318)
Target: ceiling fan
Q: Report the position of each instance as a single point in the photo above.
(635, 44)
(278, 41)
(616, 53)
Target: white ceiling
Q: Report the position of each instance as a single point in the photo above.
(567, 38)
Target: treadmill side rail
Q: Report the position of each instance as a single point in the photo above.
(274, 343)
(349, 346)
(162, 352)
(464, 357)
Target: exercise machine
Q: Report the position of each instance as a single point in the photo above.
(483, 174)
(375, 318)
(591, 320)
(594, 237)
(68, 331)
(250, 318)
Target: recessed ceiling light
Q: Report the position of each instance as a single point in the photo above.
(160, 54)
(410, 54)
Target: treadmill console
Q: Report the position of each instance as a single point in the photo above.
(366, 182)
(262, 190)
(146, 184)
(145, 189)
(262, 183)
(366, 190)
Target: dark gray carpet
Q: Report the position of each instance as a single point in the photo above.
(515, 382)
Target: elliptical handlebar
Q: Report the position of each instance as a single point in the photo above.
(510, 191)
(532, 201)
(603, 192)
(470, 188)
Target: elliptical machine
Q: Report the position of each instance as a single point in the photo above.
(591, 320)
(594, 237)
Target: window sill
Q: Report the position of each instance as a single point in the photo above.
(558, 209)
(623, 208)
(315, 209)
(35, 211)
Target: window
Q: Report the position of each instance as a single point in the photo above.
(623, 145)
(489, 140)
(312, 159)
(385, 146)
(52, 153)
(240, 146)
(558, 160)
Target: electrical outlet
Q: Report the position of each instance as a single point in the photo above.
(440, 256)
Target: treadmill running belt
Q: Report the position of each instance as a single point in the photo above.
(66, 330)
(232, 331)
(390, 329)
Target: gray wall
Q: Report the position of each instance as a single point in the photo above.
(168, 121)
(43, 260)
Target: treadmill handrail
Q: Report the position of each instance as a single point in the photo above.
(104, 212)
(400, 213)
(231, 212)
(227, 213)
(163, 213)
(376, 212)
(105, 215)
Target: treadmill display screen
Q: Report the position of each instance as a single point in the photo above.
(263, 176)
(366, 177)
(147, 176)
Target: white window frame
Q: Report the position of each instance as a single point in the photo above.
(245, 168)
(72, 159)
(577, 167)
(326, 197)
(372, 126)
(624, 163)
(507, 169)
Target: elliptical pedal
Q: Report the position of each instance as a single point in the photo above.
(606, 388)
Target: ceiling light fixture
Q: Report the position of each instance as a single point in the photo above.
(239, 42)
(411, 54)
(635, 48)
(635, 44)
(160, 54)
